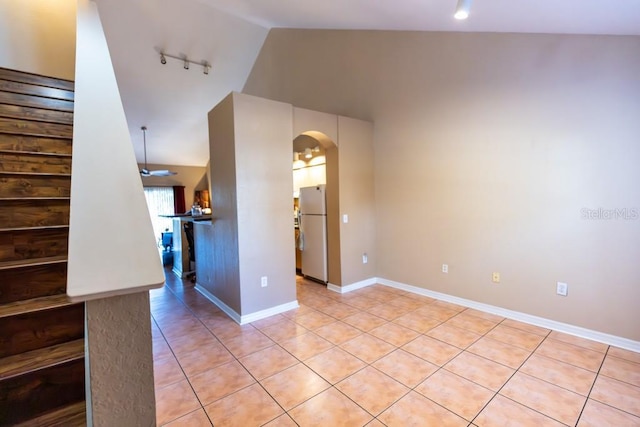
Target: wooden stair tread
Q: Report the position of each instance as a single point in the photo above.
(13, 162)
(32, 262)
(37, 359)
(35, 153)
(30, 127)
(47, 115)
(35, 144)
(39, 227)
(10, 199)
(35, 101)
(35, 304)
(42, 349)
(74, 415)
(34, 173)
(36, 79)
(21, 88)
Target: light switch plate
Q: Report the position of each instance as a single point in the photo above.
(345, 218)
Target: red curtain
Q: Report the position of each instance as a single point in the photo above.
(178, 200)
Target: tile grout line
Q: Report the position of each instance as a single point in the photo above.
(320, 301)
(255, 379)
(236, 359)
(178, 362)
(252, 376)
(497, 392)
(593, 385)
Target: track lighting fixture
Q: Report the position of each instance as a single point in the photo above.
(462, 9)
(186, 62)
(307, 153)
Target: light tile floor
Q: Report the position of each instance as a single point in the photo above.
(379, 356)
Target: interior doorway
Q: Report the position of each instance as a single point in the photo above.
(315, 206)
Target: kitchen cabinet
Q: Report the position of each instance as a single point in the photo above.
(181, 264)
(203, 236)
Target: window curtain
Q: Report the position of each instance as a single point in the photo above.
(178, 200)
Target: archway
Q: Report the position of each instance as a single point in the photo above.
(315, 162)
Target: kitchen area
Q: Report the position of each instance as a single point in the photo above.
(309, 208)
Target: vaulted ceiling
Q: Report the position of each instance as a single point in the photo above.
(173, 102)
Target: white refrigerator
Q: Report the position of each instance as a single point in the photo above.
(313, 230)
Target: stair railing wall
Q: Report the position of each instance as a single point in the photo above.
(113, 258)
(112, 249)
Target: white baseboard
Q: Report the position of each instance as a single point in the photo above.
(499, 311)
(181, 274)
(247, 318)
(352, 287)
(222, 306)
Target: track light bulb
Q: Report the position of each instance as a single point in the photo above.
(307, 153)
(186, 64)
(462, 9)
(163, 60)
(206, 68)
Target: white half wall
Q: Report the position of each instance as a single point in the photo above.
(112, 249)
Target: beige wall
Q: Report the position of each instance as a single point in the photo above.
(487, 149)
(250, 143)
(191, 177)
(263, 141)
(38, 36)
(357, 200)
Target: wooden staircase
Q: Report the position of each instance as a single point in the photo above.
(41, 333)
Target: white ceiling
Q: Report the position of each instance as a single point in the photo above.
(520, 16)
(173, 102)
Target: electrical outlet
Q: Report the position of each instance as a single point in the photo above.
(365, 258)
(264, 281)
(562, 288)
(495, 277)
(445, 268)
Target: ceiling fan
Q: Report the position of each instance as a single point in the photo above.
(145, 171)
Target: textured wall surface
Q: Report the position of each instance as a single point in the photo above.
(121, 361)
